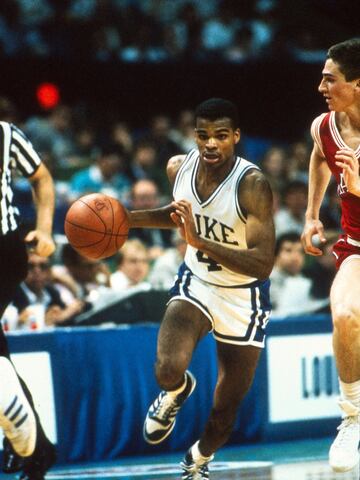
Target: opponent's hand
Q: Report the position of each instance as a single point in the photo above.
(43, 244)
(183, 218)
(346, 159)
(313, 229)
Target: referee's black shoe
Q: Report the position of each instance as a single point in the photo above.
(44, 456)
(12, 462)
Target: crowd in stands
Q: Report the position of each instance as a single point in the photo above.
(163, 30)
(129, 163)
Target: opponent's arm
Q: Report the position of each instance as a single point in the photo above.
(158, 217)
(319, 177)
(257, 260)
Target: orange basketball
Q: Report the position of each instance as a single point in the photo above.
(96, 225)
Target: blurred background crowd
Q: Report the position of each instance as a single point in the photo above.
(166, 30)
(88, 151)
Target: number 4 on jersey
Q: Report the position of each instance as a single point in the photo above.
(212, 266)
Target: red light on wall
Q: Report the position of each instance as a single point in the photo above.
(48, 95)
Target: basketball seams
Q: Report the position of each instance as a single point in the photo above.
(103, 229)
(93, 210)
(87, 229)
(105, 249)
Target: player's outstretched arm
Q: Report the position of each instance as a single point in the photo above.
(319, 177)
(44, 197)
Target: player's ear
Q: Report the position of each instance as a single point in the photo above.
(237, 135)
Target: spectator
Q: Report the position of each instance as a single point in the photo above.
(159, 135)
(144, 165)
(183, 133)
(38, 302)
(163, 271)
(290, 216)
(145, 195)
(133, 267)
(298, 161)
(52, 136)
(219, 31)
(106, 176)
(80, 278)
(290, 289)
(122, 136)
(274, 166)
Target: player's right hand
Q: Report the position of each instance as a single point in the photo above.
(313, 237)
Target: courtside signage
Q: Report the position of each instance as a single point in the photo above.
(302, 378)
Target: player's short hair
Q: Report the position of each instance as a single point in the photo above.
(347, 56)
(215, 108)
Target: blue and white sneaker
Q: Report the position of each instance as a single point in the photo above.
(160, 419)
(193, 470)
(17, 418)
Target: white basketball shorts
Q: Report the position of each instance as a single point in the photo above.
(238, 315)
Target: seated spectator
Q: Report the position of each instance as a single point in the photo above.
(290, 216)
(38, 302)
(183, 132)
(80, 278)
(52, 136)
(163, 271)
(145, 195)
(106, 176)
(290, 289)
(144, 165)
(298, 161)
(274, 166)
(133, 267)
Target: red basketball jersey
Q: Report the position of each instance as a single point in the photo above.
(328, 138)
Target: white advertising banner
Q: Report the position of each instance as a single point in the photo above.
(302, 378)
(35, 369)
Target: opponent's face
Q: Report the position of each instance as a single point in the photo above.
(216, 140)
(339, 93)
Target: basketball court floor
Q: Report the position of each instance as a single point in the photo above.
(296, 460)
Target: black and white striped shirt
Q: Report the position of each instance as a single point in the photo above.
(16, 153)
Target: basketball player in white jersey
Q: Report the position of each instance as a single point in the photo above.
(337, 152)
(223, 208)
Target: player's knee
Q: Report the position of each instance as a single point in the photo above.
(346, 321)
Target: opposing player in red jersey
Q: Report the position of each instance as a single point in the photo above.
(336, 152)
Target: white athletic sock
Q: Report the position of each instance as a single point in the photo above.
(351, 392)
(176, 392)
(197, 455)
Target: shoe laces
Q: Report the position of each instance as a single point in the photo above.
(345, 437)
(166, 406)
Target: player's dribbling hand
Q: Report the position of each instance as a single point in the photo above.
(43, 243)
(313, 237)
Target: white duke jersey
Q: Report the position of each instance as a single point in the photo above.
(219, 219)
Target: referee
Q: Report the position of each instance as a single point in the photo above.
(26, 448)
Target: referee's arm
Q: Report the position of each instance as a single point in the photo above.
(44, 198)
